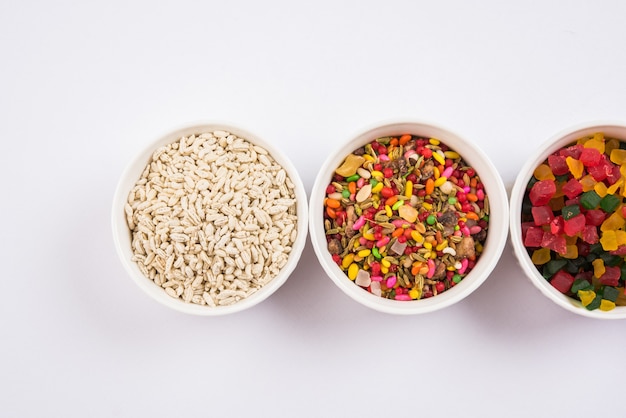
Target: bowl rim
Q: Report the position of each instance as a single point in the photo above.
(119, 226)
(554, 142)
(493, 248)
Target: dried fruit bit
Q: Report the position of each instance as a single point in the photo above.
(575, 167)
(407, 213)
(350, 165)
(590, 199)
(562, 281)
(541, 256)
(543, 172)
(541, 192)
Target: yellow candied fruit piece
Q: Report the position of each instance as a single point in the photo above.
(385, 263)
(572, 252)
(557, 203)
(613, 222)
(384, 270)
(600, 188)
(608, 241)
(586, 296)
(606, 305)
(408, 189)
(428, 245)
(347, 260)
(453, 155)
(436, 172)
(369, 158)
(543, 172)
(427, 205)
(618, 156)
(540, 256)
(388, 211)
(353, 270)
(613, 188)
(610, 145)
(620, 237)
(414, 293)
(443, 245)
(575, 166)
(598, 267)
(596, 142)
(434, 141)
(587, 182)
(369, 234)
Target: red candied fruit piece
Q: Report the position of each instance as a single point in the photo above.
(583, 248)
(590, 234)
(554, 242)
(573, 151)
(525, 227)
(558, 165)
(542, 215)
(602, 170)
(590, 157)
(562, 281)
(595, 217)
(541, 192)
(572, 188)
(574, 225)
(610, 277)
(621, 251)
(556, 225)
(613, 175)
(534, 237)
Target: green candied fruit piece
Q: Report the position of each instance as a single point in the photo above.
(610, 293)
(570, 211)
(553, 266)
(595, 303)
(581, 284)
(590, 199)
(609, 203)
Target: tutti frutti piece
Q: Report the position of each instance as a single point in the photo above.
(405, 217)
(573, 221)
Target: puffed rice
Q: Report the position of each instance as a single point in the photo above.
(212, 217)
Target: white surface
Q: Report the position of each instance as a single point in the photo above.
(83, 85)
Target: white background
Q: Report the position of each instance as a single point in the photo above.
(84, 85)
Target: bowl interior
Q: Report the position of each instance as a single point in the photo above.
(517, 195)
(498, 218)
(122, 234)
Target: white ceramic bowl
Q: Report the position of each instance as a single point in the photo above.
(122, 235)
(556, 142)
(498, 218)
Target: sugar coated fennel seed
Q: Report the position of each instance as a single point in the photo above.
(213, 218)
(405, 217)
(573, 221)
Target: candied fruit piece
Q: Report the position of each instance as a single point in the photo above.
(590, 234)
(542, 215)
(613, 222)
(608, 241)
(562, 281)
(534, 236)
(596, 143)
(600, 188)
(594, 217)
(570, 211)
(590, 157)
(543, 172)
(558, 165)
(609, 203)
(572, 188)
(606, 305)
(572, 252)
(574, 225)
(618, 156)
(556, 225)
(572, 151)
(586, 296)
(541, 192)
(590, 199)
(575, 167)
(540, 256)
(610, 277)
(587, 182)
(554, 242)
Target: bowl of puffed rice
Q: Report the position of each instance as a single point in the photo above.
(210, 219)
